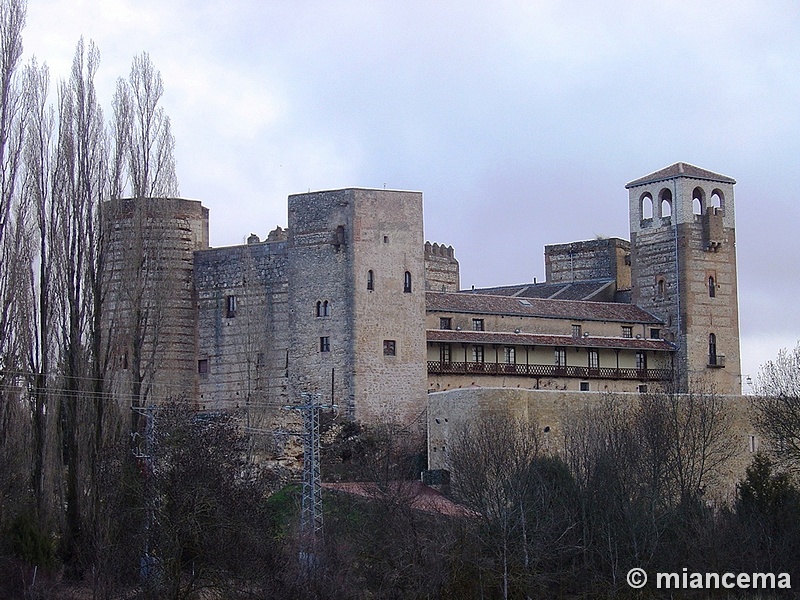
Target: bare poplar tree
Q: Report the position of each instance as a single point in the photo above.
(12, 21)
(42, 289)
(80, 185)
(143, 133)
(14, 259)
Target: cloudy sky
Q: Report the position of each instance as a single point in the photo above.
(521, 121)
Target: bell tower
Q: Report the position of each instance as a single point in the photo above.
(683, 270)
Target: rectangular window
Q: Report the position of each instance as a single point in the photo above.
(641, 360)
(230, 306)
(510, 355)
(444, 353)
(642, 388)
(561, 357)
(655, 333)
(753, 443)
(389, 348)
(445, 323)
(477, 354)
(584, 386)
(594, 359)
(202, 366)
(576, 331)
(477, 325)
(627, 331)
(325, 344)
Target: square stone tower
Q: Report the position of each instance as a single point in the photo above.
(357, 302)
(683, 269)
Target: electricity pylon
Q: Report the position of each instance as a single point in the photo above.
(311, 522)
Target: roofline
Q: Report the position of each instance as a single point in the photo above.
(354, 189)
(655, 176)
(529, 339)
(655, 320)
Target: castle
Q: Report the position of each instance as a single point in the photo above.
(350, 303)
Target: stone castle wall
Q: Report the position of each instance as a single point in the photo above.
(150, 295)
(441, 268)
(242, 296)
(550, 413)
(605, 258)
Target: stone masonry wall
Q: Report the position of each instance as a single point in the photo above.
(151, 296)
(549, 412)
(588, 260)
(441, 268)
(243, 325)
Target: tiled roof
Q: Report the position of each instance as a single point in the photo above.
(578, 290)
(541, 339)
(680, 169)
(578, 310)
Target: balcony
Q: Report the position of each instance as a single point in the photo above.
(484, 368)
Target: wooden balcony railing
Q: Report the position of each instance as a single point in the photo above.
(486, 368)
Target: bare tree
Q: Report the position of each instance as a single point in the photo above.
(12, 21)
(778, 407)
(491, 461)
(142, 132)
(80, 185)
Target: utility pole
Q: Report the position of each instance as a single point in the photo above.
(147, 466)
(311, 523)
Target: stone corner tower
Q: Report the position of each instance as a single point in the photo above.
(356, 274)
(683, 270)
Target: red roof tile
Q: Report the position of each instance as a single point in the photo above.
(680, 169)
(577, 310)
(541, 339)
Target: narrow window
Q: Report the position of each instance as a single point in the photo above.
(712, 287)
(647, 207)
(584, 386)
(665, 198)
(712, 349)
(627, 331)
(753, 443)
(325, 344)
(641, 360)
(389, 347)
(594, 359)
(716, 199)
(370, 280)
(510, 355)
(576, 331)
(230, 306)
(698, 201)
(444, 353)
(445, 323)
(477, 354)
(407, 283)
(125, 361)
(319, 308)
(561, 357)
(477, 325)
(202, 366)
(326, 309)
(661, 287)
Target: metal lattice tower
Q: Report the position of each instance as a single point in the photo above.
(311, 508)
(311, 523)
